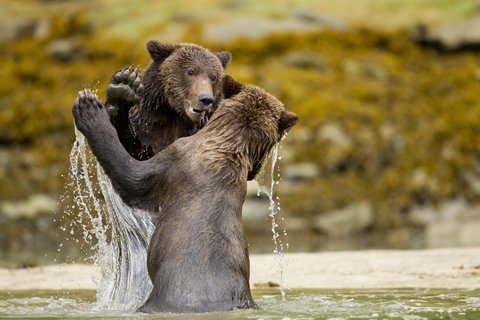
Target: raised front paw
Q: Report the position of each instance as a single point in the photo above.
(124, 90)
(88, 112)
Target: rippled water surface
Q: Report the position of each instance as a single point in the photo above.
(299, 304)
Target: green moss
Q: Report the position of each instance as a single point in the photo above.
(377, 79)
(373, 83)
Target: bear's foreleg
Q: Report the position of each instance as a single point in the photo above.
(132, 179)
(124, 90)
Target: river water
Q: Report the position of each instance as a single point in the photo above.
(119, 235)
(408, 304)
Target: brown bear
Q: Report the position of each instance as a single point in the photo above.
(198, 255)
(178, 92)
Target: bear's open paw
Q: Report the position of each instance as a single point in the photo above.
(124, 90)
(88, 112)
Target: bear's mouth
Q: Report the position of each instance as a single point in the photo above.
(195, 114)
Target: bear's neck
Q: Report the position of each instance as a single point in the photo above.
(152, 121)
(230, 154)
(157, 129)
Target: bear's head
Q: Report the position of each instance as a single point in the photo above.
(186, 77)
(253, 120)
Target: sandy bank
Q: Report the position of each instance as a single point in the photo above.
(439, 268)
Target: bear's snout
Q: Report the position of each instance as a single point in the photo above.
(206, 101)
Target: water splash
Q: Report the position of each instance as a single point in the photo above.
(118, 235)
(125, 282)
(267, 181)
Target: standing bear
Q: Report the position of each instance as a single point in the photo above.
(198, 256)
(177, 94)
(174, 98)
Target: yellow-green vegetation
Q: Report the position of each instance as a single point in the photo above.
(124, 18)
(405, 119)
(36, 93)
(411, 117)
(407, 111)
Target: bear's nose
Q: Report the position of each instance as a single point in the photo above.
(206, 101)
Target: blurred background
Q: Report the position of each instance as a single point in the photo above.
(386, 155)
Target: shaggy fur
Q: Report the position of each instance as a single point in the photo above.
(174, 83)
(198, 255)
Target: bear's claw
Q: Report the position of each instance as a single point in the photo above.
(124, 90)
(88, 111)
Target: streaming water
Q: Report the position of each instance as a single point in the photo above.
(267, 179)
(118, 234)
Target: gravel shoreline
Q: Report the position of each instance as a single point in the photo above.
(373, 269)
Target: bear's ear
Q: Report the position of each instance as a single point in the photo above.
(231, 87)
(287, 120)
(159, 51)
(224, 57)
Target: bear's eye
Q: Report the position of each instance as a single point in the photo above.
(213, 78)
(191, 72)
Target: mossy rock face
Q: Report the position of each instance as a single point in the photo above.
(382, 118)
(405, 119)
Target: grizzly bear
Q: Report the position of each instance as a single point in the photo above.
(177, 94)
(171, 100)
(198, 255)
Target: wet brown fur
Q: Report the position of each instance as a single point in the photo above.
(198, 255)
(160, 117)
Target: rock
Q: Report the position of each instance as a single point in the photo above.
(450, 36)
(30, 207)
(17, 29)
(477, 74)
(405, 238)
(339, 144)
(306, 60)
(453, 223)
(421, 180)
(308, 16)
(472, 178)
(301, 134)
(5, 162)
(43, 29)
(346, 221)
(334, 134)
(391, 136)
(183, 17)
(66, 50)
(255, 209)
(295, 224)
(257, 27)
(367, 69)
(300, 171)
